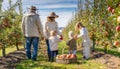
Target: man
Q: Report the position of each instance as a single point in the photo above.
(32, 29)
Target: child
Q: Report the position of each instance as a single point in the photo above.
(71, 43)
(86, 42)
(53, 41)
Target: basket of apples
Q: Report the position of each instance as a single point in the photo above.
(66, 58)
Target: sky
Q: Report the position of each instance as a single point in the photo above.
(63, 8)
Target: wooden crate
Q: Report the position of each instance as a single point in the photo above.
(67, 61)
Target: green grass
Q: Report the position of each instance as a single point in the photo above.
(10, 49)
(42, 62)
(110, 51)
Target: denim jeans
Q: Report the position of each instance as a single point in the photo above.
(53, 55)
(29, 42)
(48, 50)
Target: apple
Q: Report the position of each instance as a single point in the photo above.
(118, 28)
(109, 9)
(118, 5)
(118, 19)
(68, 56)
(61, 38)
(113, 10)
(64, 56)
(73, 56)
(116, 43)
(57, 57)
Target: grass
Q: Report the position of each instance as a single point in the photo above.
(110, 51)
(42, 62)
(10, 49)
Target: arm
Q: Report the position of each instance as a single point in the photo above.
(82, 32)
(40, 28)
(57, 30)
(46, 31)
(68, 43)
(58, 39)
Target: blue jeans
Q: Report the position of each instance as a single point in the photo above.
(53, 55)
(48, 50)
(29, 42)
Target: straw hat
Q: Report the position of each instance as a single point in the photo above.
(33, 8)
(52, 14)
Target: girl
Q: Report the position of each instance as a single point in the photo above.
(86, 42)
(53, 42)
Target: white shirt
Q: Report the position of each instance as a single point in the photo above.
(51, 26)
(53, 41)
(84, 35)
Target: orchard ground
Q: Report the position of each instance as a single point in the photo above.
(98, 60)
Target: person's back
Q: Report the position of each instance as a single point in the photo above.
(32, 30)
(32, 23)
(72, 44)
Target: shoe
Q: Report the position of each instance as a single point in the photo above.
(28, 57)
(85, 58)
(34, 59)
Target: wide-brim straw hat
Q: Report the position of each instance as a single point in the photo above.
(52, 14)
(33, 8)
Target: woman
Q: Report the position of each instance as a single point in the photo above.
(85, 40)
(50, 25)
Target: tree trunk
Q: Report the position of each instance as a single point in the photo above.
(17, 45)
(3, 51)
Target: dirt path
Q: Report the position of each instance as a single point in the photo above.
(110, 61)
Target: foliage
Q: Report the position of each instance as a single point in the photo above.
(10, 32)
(100, 18)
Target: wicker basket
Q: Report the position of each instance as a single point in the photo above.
(66, 60)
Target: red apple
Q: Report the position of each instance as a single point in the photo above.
(116, 43)
(109, 9)
(68, 56)
(118, 5)
(73, 56)
(113, 10)
(118, 28)
(61, 37)
(118, 19)
(64, 56)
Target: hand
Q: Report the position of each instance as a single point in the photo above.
(75, 36)
(61, 37)
(42, 38)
